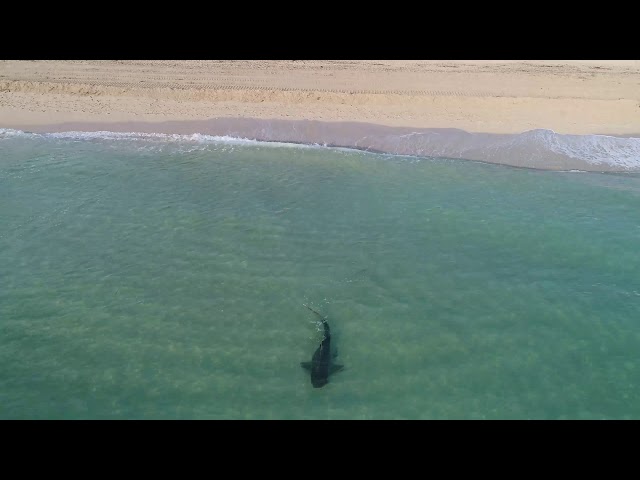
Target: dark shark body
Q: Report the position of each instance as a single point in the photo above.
(321, 364)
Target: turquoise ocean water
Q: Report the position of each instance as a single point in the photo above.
(160, 277)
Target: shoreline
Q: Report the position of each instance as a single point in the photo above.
(545, 114)
(537, 149)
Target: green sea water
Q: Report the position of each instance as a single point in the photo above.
(146, 278)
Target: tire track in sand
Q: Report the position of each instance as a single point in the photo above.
(212, 84)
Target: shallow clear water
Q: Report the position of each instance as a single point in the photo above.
(144, 278)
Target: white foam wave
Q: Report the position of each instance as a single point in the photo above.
(593, 149)
(9, 132)
(192, 138)
(535, 148)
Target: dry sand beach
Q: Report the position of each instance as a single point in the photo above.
(343, 103)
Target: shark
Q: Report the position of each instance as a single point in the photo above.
(321, 364)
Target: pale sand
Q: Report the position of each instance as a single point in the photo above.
(578, 97)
